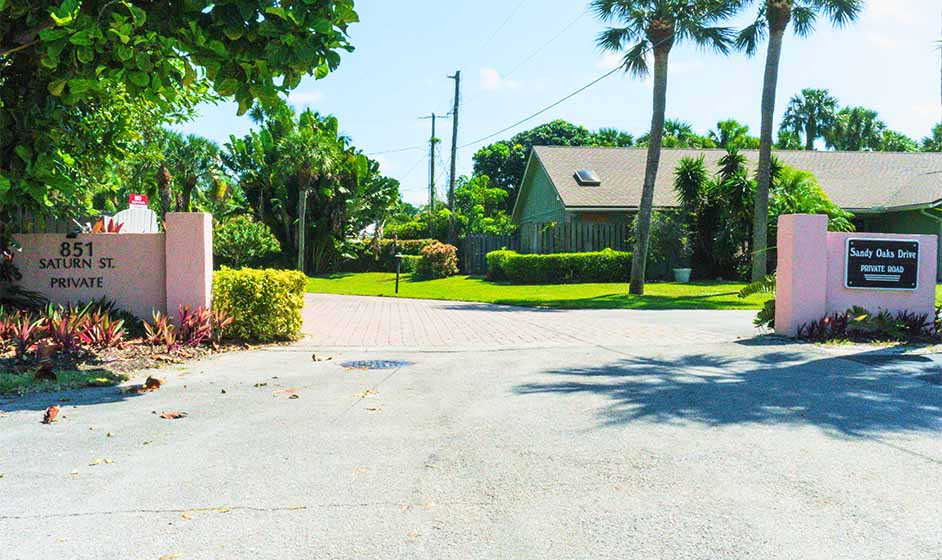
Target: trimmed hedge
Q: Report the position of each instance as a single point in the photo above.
(265, 304)
(559, 268)
(365, 261)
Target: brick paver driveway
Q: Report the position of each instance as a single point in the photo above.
(355, 321)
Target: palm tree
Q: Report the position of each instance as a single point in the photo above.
(656, 26)
(732, 134)
(812, 113)
(772, 21)
(193, 160)
(855, 129)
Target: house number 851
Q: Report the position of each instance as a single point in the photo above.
(76, 249)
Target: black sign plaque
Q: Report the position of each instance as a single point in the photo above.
(882, 264)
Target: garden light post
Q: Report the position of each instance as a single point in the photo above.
(398, 263)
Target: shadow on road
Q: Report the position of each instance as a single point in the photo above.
(836, 394)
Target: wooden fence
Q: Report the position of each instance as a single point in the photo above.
(543, 238)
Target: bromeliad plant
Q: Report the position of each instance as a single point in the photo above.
(196, 325)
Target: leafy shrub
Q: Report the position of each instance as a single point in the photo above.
(265, 305)
(362, 256)
(410, 263)
(495, 264)
(560, 268)
(241, 241)
(438, 260)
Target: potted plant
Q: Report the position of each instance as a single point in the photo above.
(684, 253)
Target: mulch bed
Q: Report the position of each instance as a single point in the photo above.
(131, 356)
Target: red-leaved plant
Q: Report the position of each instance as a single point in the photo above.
(160, 331)
(103, 331)
(196, 325)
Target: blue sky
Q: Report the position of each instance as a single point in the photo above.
(406, 48)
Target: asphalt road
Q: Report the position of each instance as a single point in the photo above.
(694, 445)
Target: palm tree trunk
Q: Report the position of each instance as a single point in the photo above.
(760, 223)
(163, 188)
(811, 132)
(302, 230)
(642, 235)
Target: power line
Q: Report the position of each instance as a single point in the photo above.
(397, 150)
(543, 110)
(566, 98)
(546, 44)
(503, 24)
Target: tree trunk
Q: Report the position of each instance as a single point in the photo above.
(183, 203)
(642, 235)
(810, 134)
(163, 188)
(760, 224)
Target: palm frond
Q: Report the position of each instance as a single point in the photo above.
(635, 61)
(750, 36)
(803, 19)
(615, 39)
(719, 39)
(841, 12)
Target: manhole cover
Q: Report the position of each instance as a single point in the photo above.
(374, 364)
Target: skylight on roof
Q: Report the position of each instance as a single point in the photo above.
(587, 178)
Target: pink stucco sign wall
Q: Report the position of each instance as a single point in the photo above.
(812, 267)
(141, 272)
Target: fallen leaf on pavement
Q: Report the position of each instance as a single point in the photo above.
(153, 383)
(73, 472)
(366, 394)
(317, 358)
(295, 397)
(187, 515)
(289, 391)
(51, 413)
(223, 509)
(173, 415)
(170, 556)
(374, 408)
(101, 461)
(257, 385)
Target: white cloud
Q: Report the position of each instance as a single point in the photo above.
(305, 98)
(491, 80)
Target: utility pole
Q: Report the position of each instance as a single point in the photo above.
(431, 162)
(454, 156)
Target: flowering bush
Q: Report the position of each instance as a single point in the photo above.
(439, 260)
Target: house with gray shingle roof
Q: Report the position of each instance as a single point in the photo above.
(887, 192)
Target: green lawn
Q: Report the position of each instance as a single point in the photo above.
(706, 295)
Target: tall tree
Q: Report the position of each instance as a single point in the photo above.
(772, 21)
(613, 138)
(64, 60)
(854, 129)
(811, 114)
(679, 134)
(933, 142)
(641, 26)
(505, 161)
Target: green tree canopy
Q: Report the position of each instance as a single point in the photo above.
(732, 134)
(810, 114)
(70, 67)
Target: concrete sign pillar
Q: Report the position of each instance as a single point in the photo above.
(820, 273)
(189, 254)
(140, 272)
